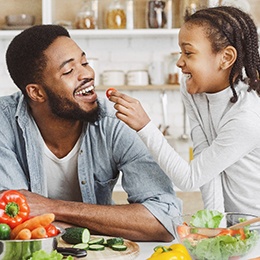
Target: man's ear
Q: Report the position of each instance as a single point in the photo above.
(35, 92)
(229, 56)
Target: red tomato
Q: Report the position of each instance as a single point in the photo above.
(108, 91)
(51, 231)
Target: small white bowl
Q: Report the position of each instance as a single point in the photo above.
(19, 19)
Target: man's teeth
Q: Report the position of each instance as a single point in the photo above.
(85, 91)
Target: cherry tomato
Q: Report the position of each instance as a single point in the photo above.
(51, 230)
(108, 91)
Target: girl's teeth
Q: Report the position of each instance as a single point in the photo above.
(188, 76)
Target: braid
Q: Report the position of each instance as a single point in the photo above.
(230, 26)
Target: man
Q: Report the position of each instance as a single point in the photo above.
(64, 149)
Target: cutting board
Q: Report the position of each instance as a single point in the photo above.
(130, 253)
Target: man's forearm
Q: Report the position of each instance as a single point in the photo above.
(131, 221)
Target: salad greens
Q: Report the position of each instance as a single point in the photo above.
(54, 255)
(207, 218)
(220, 247)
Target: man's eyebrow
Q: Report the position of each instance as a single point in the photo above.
(70, 60)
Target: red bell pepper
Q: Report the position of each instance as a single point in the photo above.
(14, 209)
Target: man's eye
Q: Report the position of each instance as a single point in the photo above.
(68, 72)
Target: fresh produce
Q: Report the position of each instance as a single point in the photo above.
(5, 231)
(96, 247)
(80, 238)
(115, 241)
(108, 91)
(39, 232)
(198, 239)
(13, 208)
(76, 235)
(172, 252)
(24, 234)
(32, 223)
(54, 255)
(51, 230)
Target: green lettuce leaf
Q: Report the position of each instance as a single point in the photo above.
(206, 218)
(54, 255)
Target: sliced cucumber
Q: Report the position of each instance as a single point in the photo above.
(99, 241)
(115, 241)
(96, 247)
(81, 246)
(119, 247)
(76, 235)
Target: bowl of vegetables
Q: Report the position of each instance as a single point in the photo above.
(17, 249)
(22, 235)
(210, 234)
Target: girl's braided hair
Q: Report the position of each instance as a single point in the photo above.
(226, 26)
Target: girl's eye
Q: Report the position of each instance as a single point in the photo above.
(68, 72)
(188, 53)
(85, 64)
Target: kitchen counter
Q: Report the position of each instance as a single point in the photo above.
(146, 249)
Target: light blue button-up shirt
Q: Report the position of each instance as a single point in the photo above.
(108, 147)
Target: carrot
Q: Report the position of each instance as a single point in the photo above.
(39, 232)
(32, 223)
(24, 234)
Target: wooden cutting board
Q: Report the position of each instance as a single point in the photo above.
(130, 253)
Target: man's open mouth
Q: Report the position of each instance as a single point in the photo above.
(85, 92)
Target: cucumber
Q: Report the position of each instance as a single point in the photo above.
(115, 241)
(96, 247)
(119, 247)
(76, 235)
(81, 246)
(99, 241)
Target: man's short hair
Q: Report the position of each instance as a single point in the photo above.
(25, 58)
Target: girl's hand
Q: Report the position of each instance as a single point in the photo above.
(129, 110)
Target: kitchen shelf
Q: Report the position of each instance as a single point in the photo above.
(165, 87)
(105, 33)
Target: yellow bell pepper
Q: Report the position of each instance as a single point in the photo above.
(172, 252)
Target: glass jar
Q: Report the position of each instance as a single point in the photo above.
(155, 14)
(116, 15)
(173, 70)
(85, 18)
(192, 6)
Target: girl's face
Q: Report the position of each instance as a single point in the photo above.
(201, 67)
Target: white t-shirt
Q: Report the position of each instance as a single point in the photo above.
(62, 174)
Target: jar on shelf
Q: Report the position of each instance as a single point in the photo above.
(173, 70)
(86, 17)
(192, 6)
(116, 15)
(155, 14)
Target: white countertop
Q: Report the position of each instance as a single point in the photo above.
(146, 250)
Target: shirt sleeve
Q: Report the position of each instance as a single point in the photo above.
(229, 146)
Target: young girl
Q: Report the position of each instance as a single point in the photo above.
(221, 87)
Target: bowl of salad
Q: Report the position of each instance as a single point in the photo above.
(207, 234)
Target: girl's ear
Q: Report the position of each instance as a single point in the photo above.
(35, 92)
(229, 57)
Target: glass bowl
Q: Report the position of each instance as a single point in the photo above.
(219, 243)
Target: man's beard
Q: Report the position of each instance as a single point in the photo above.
(64, 108)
